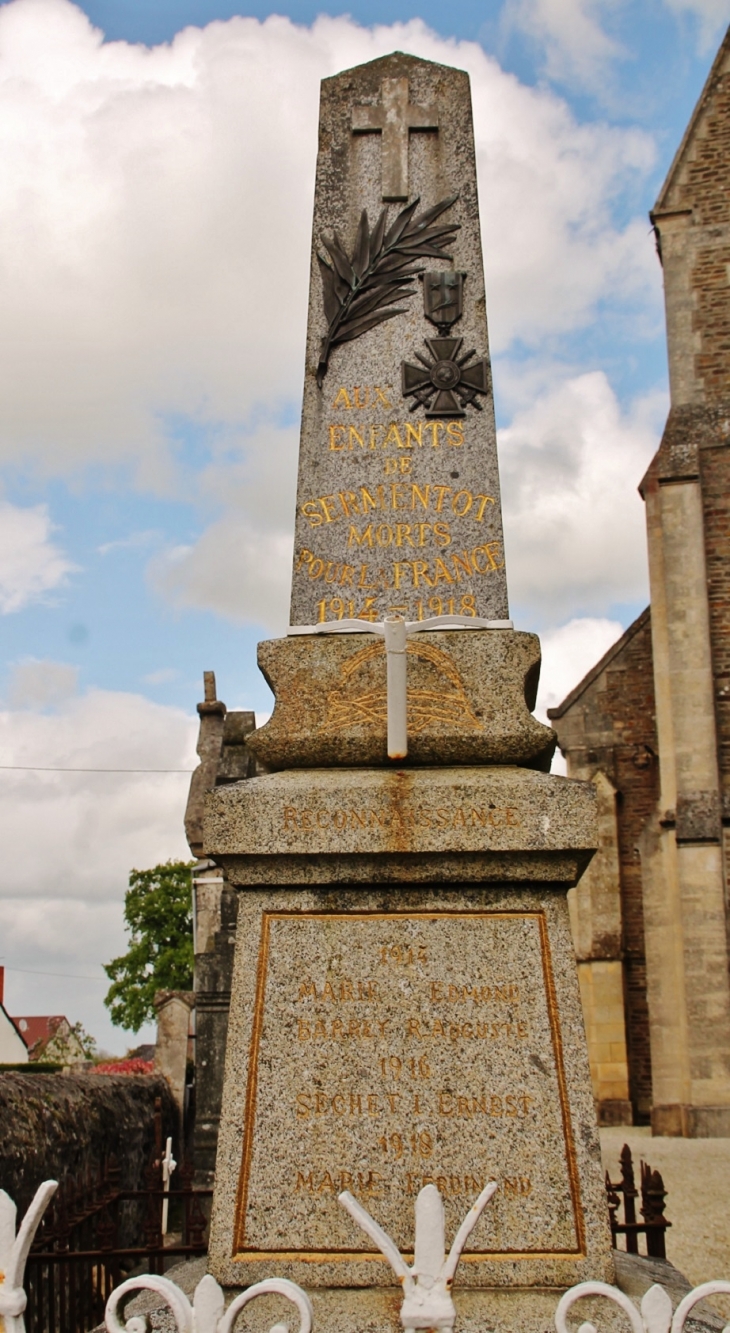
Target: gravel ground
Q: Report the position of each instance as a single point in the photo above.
(696, 1175)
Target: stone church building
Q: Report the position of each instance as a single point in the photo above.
(650, 724)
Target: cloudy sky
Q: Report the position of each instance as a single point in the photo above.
(155, 204)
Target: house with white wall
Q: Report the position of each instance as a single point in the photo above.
(13, 1050)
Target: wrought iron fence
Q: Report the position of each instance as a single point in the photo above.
(653, 1195)
(208, 1314)
(95, 1234)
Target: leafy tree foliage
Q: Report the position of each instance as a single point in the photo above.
(158, 917)
(85, 1040)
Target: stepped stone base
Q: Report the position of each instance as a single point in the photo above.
(394, 825)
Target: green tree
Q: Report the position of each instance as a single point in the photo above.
(85, 1040)
(158, 913)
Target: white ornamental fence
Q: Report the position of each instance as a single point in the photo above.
(427, 1286)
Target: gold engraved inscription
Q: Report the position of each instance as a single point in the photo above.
(399, 817)
(410, 1048)
(395, 434)
(362, 395)
(424, 545)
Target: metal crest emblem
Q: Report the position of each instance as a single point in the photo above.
(443, 298)
(447, 383)
(450, 380)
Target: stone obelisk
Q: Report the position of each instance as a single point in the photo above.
(405, 1006)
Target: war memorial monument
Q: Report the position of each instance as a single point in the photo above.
(405, 1009)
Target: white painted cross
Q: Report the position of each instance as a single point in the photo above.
(168, 1166)
(394, 118)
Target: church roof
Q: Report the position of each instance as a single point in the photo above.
(671, 195)
(600, 666)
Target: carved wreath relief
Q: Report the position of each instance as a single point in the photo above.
(438, 700)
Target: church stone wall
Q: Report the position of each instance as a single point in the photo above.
(715, 468)
(686, 491)
(703, 188)
(607, 725)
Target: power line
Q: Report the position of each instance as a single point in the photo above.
(71, 976)
(32, 768)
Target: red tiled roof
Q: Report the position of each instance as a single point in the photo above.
(38, 1027)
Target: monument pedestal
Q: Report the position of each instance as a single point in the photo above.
(406, 1012)
(412, 825)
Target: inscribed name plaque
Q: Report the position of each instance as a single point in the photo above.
(394, 1050)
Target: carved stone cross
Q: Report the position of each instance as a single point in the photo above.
(394, 118)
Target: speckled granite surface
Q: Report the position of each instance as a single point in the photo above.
(380, 1040)
(364, 825)
(396, 509)
(469, 700)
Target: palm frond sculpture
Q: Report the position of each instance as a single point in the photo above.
(363, 291)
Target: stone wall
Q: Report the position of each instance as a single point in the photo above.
(715, 482)
(630, 700)
(607, 725)
(224, 758)
(715, 475)
(54, 1126)
(703, 188)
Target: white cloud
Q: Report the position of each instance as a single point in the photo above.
(576, 48)
(234, 570)
(40, 685)
(134, 542)
(574, 522)
(95, 826)
(241, 565)
(712, 16)
(30, 562)
(568, 653)
(70, 839)
(155, 214)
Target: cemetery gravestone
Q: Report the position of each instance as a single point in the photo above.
(405, 1007)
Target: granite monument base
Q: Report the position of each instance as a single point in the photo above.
(396, 825)
(470, 699)
(405, 1029)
